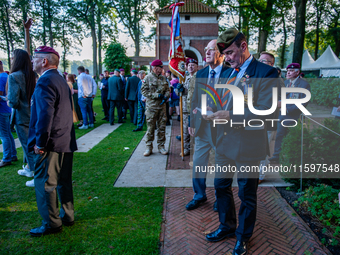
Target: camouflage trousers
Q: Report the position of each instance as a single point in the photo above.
(155, 116)
(186, 136)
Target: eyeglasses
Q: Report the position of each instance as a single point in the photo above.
(211, 49)
(264, 61)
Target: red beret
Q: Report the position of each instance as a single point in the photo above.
(157, 62)
(111, 72)
(293, 66)
(46, 49)
(122, 69)
(191, 60)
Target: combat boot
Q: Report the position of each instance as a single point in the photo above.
(162, 151)
(148, 151)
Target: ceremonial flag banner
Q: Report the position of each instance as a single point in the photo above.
(176, 54)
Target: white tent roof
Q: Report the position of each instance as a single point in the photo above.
(307, 59)
(336, 66)
(327, 59)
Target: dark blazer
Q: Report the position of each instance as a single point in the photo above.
(51, 125)
(17, 98)
(105, 82)
(248, 144)
(116, 91)
(292, 111)
(131, 88)
(202, 77)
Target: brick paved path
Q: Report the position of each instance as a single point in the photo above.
(174, 160)
(278, 230)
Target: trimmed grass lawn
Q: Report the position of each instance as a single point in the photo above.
(108, 220)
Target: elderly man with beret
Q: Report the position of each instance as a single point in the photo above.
(292, 111)
(52, 139)
(192, 67)
(239, 146)
(156, 90)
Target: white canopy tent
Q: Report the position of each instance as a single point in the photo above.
(327, 59)
(332, 71)
(307, 59)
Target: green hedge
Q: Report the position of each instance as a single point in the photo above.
(325, 91)
(320, 147)
(323, 202)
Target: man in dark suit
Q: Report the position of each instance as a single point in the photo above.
(240, 146)
(116, 97)
(292, 111)
(200, 128)
(52, 139)
(130, 95)
(104, 94)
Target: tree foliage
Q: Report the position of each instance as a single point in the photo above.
(115, 57)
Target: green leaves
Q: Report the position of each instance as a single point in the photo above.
(115, 57)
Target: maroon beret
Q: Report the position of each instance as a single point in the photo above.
(293, 66)
(122, 69)
(191, 60)
(111, 73)
(46, 50)
(157, 62)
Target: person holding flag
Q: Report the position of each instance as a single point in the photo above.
(177, 59)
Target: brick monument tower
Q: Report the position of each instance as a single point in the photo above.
(199, 25)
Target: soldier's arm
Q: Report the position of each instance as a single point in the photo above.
(166, 90)
(145, 88)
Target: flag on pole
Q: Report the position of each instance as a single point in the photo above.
(176, 54)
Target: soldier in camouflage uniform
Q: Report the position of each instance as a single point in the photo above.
(192, 66)
(156, 90)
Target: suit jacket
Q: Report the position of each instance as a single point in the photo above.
(131, 88)
(247, 143)
(17, 98)
(292, 111)
(202, 77)
(51, 125)
(116, 91)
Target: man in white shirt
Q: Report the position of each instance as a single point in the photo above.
(87, 89)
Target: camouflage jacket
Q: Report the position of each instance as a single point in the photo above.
(152, 86)
(191, 88)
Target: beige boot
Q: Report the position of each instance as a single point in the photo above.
(186, 153)
(163, 151)
(148, 151)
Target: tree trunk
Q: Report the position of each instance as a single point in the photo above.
(94, 40)
(49, 19)
(6, 38)
(9, 29)
(99, 41)
(137, 41)
(300, 7)
(284, 45)
(44, 26)
(317, 31)
(263, 36)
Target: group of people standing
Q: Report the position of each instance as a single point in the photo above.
(123, 93)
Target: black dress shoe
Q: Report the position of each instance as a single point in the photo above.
(137, 129)
(168, 123)
(43, 231)
(68, 223)
(215, 207)
(15, 159)
(2, 163)
(219, 235)
(241, 248)
(121, 121)
(178, 137)
(193, 204)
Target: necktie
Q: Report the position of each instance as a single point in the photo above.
(290, 84)
(226, 95)
(212, 84)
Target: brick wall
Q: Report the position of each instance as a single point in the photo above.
(192, 29)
